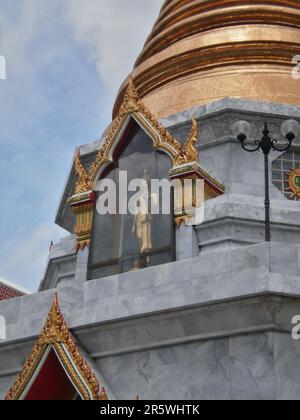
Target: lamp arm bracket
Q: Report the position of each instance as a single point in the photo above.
(280, 149)
(257, 142)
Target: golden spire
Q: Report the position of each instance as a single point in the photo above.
(200, 51)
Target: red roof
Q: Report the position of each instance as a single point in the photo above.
(8, 292)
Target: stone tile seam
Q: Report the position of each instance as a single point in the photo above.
(189, 340)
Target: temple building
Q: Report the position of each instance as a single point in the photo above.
(167, 306)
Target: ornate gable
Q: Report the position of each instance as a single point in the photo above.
(184, 158)
(132, 107)
(56, 337)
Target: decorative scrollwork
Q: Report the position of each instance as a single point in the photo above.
(103, 395)
(55, 333)
(189, 153)
(294, 183)
(162, 140)
(84, 180)
(182, 157)
(132, 105)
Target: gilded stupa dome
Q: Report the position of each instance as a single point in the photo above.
(200, 51)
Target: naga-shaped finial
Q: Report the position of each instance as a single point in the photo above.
(103, 395)
(84, 180)
(131, 99)
(189, 153)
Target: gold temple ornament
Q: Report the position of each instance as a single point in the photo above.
(133, 107)
(56, 335)
(189, 153)
(82, 204)
(184, 159)
(103, 395)
(193, 171)
(294, 183)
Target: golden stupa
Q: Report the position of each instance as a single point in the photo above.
(200, 51)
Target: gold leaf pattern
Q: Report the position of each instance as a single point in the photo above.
(84, 181)
(55, 333)
(293, 188)
(189, 153)
(132, 105)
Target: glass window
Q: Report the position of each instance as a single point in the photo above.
(126, 242)
(281, 167)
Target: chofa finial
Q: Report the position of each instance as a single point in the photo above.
(131, 102)
(84, 182)
(189, 153)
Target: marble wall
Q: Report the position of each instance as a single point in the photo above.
(234, 368)
(214, 327)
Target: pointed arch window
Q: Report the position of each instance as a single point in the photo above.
(126, 242)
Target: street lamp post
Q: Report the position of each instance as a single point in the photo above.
(267, 144)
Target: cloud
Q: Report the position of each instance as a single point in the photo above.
(114, 31)
(30, 151)
(65, 61)
(22, 24)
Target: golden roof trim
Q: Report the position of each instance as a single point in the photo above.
(84, 181)
(162, 140)
(189, 152)
(132, 105)
(55, 333)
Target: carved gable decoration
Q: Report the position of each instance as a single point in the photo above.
(162, 140)
(185, 160)
(56, 341)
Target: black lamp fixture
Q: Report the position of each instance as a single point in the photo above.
(289, 131)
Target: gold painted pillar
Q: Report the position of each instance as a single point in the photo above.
(83, 207)
(192, 171)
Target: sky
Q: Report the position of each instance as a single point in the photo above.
(65, 60)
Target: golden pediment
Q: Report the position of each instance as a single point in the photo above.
(56, 335)
(133, 107)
